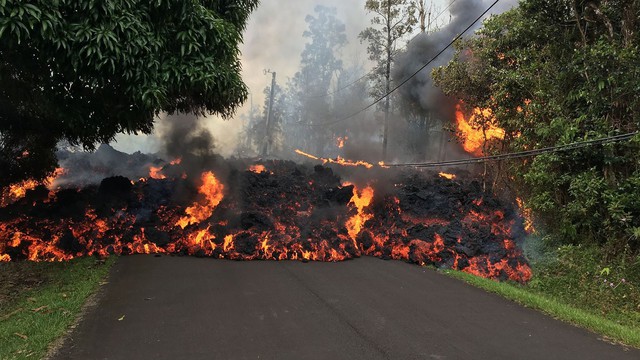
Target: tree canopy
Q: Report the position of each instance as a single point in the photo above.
(83, 71)
(556, 72)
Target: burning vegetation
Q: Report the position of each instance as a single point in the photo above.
(277, 210)
(473, 138)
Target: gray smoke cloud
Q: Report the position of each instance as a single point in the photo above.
(425, 46)
(184, 137)
(184, 134)
(420, 90)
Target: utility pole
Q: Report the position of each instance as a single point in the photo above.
(247, 139)
(269, 139)
(387, 74)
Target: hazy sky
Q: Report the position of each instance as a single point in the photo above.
(274, 38)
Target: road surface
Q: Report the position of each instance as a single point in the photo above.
(190, 308)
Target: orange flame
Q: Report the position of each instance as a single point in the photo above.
(257, 168)
(340, 141)
(360, 200)
(447, 176)
(474, 138)
(155, 172)
(527, 215)
(212, 189)
(19, 190)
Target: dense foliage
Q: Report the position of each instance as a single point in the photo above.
(555, 72)
(83, 71)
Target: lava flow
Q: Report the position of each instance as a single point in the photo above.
(289, 211)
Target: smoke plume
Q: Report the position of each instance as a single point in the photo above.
(425, 46)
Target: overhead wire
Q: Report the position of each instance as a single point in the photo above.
(456, 38)
(522, 154)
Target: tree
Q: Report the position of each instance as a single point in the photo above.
(393, 19)
(83, 71)
(424, 16)
(319, 67)
(556, 72)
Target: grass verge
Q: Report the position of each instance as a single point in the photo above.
(622, 333)
(31, 318)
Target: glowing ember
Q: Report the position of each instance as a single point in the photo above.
(474, 138)
(155, 172)
(340, 141)
(212, 190)
(257, 168)
(447, 176)
(19, 190)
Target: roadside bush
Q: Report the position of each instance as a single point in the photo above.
(586, 278)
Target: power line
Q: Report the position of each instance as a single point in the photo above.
(412, 75)
(522, 154)
(370, 72)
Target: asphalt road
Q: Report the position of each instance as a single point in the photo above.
(189, 308)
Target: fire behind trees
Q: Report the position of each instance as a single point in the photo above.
(273, 210)
(554, 73)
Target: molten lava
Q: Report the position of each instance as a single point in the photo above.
(257, 168)
(474, 137)
(155, 172)
(290, 212)
(15, 192)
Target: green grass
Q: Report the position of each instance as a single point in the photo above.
(623, 333)
(32, 318)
